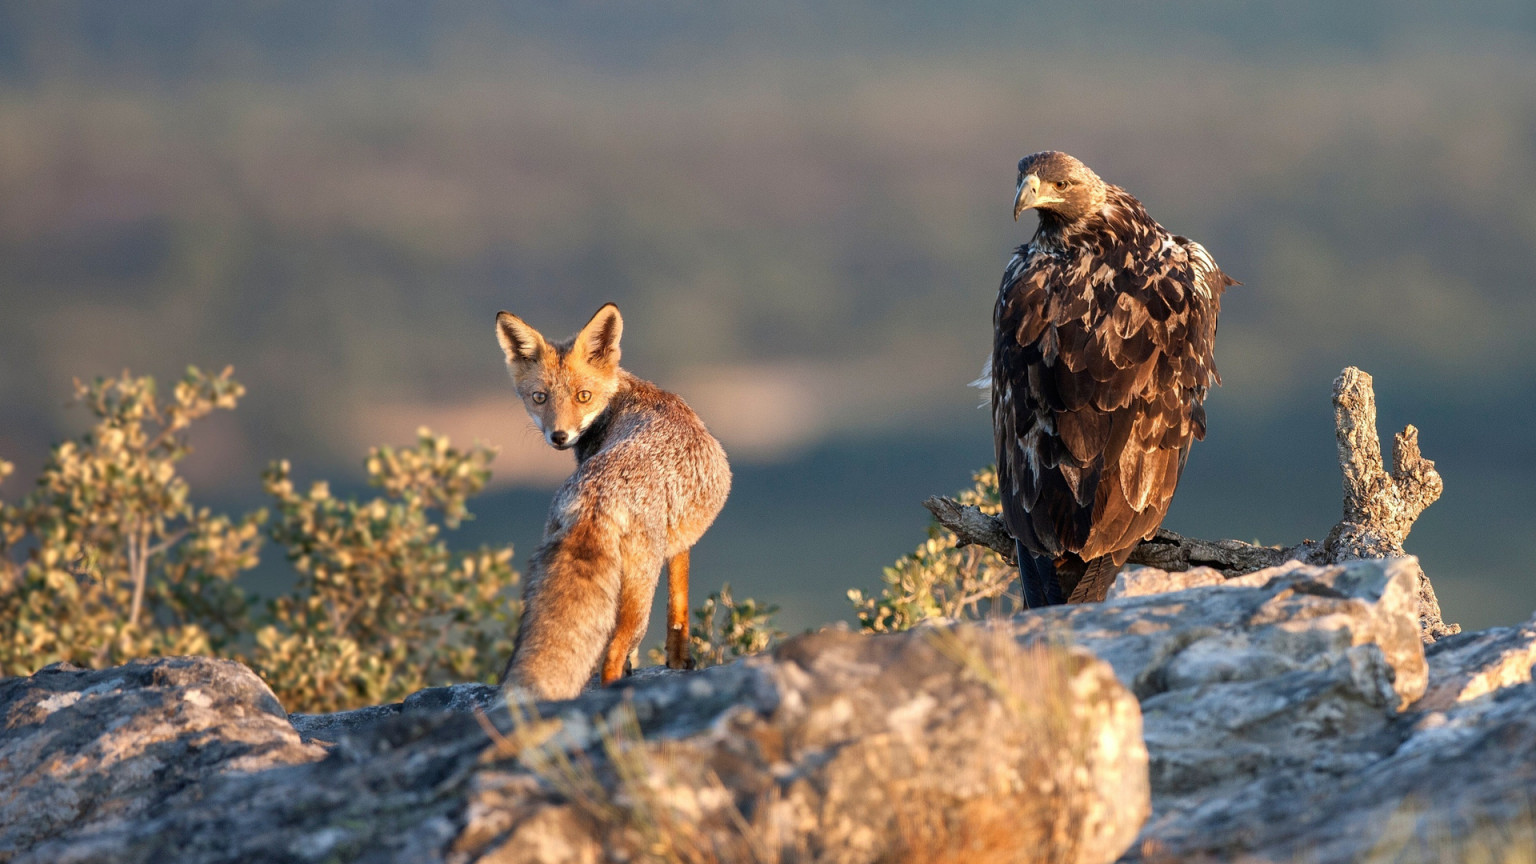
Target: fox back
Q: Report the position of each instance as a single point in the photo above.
(649, 481)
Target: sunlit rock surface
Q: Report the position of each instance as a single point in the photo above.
(1288, 715)
(85, 754)
(837, 747)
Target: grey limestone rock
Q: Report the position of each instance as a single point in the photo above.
(84, 751)
(1291, 714)
(874, 749)
(1468, 665)
(458, 699)
(1334, 740)
(837, 747)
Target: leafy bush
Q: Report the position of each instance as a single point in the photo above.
(723, 630)
(382, 607)
(107, 559)
(939, 580)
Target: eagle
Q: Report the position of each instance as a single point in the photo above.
(1105, 328)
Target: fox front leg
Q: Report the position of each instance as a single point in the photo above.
(678, 656)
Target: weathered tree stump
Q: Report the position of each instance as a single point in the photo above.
(1379, 510)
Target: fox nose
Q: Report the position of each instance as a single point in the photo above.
(559, 437)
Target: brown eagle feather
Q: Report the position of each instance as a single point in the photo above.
(1105, 328)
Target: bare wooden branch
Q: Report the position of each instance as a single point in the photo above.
(972, 527)
(1166, 550)
(1379, 510)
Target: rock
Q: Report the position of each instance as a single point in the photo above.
(1291, 714)
(1458, 788)
(1141, 581)
(1288, 618)
(1302, 756)
(457, 699)
(1280, 681)
(326, 729)
(86, 749)
(870, 753)
(1469, 665)
(846, 747)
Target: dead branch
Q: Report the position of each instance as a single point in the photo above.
(1166, 550)
(1379, 510)
(972, 527)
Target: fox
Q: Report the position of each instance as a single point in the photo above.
(649, 481)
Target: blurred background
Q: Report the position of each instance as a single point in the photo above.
(803, 212)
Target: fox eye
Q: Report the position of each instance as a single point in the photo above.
(1061, 184)
(539, 396)
(583, 396)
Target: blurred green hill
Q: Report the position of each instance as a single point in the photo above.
(803, 213)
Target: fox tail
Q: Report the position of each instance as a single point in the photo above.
(570, 606)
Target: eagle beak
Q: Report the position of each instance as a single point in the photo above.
(1027, 195)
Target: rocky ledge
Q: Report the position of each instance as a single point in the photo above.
(1291, 714)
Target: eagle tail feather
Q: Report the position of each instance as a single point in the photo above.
(1098, 576)
(1038, 577)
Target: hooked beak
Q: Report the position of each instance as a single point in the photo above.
(1028, 195)
(1025, 194)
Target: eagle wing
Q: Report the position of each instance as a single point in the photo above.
(1100, 365)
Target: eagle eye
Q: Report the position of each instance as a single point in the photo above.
(1061, 184)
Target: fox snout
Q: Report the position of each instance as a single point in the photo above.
(561, 428)
(563, 439)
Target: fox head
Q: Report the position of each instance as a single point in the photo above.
(567, 385)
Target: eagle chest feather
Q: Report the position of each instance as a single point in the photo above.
(1102, 358)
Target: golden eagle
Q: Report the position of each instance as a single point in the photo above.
(1105, 329)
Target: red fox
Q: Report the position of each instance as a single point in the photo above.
(649, 480)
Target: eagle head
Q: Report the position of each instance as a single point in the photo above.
(1053, 182)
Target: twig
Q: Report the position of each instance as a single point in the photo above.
(972, 527)
(167, 543)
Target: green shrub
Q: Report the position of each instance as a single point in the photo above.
(382, 607)
(723, 630)
(107, 559)
(939, 580)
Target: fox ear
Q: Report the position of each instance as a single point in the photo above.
(519, 342)
(599, 340)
